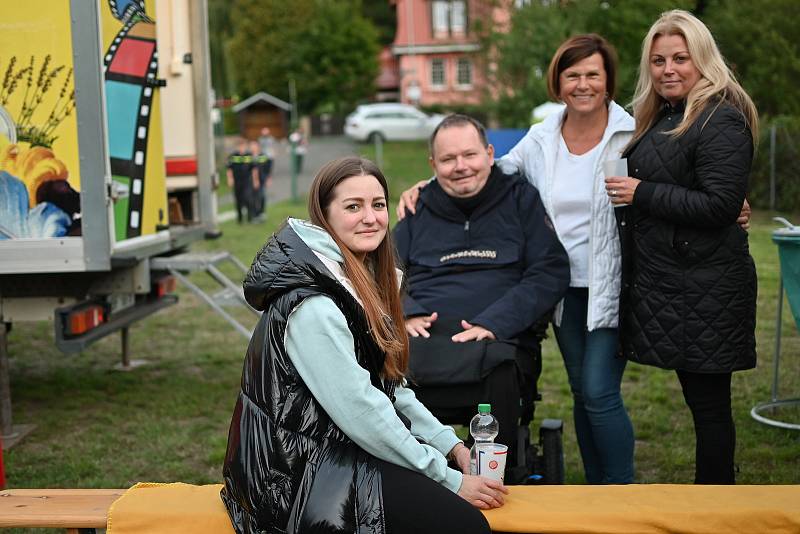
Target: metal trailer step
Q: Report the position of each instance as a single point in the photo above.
(190, 262)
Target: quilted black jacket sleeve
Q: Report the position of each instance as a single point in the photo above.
(717, 180)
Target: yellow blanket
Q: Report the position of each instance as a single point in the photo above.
(651, 508)
(183, 508)
(177, 508)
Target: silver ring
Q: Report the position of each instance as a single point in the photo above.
(613, 192)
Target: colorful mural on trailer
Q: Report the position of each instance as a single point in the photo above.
(130, 67)
(39, 173)
(39, 159)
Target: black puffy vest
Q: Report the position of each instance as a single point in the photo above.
(689, 283)
(288, 467)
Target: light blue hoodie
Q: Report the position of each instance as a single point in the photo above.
(343, 387)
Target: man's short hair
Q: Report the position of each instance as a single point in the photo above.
(456, 119)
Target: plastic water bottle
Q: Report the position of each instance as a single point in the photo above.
(484, 428)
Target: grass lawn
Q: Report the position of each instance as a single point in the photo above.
(168, 421)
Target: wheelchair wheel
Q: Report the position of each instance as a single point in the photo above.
(551, 437)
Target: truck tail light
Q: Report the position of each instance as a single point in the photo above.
(81, 320)
(164, 286)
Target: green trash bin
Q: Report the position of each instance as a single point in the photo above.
(788, 242)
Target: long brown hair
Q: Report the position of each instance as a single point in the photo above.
(717, 82)
(374, 279)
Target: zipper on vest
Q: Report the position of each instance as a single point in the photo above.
(466, 229)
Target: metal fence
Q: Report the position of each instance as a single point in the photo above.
(775, 178)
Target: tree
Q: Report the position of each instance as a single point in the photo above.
(765, 55)
(384, 16)
(219, 29)
(624, 25)
(326, 46)
(518, 60)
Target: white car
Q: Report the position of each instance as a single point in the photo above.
(390, 122)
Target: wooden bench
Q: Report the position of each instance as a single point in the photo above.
(653, 509)
(76, 510)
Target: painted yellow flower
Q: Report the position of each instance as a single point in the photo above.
(33, 165)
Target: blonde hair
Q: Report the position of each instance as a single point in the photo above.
(717, 82)
(376, 281)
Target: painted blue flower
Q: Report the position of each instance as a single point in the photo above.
(16, 221)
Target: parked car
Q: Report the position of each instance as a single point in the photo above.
(390, 122)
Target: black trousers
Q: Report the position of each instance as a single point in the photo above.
(243, 198)
(260, 197)
(415, 504)
(709, 399)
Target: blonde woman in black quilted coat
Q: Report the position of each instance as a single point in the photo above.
(688, 298)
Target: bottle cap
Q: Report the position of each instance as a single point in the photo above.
(484, 408)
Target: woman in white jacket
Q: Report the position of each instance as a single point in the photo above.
(563, 157)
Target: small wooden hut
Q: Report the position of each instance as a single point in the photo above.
(260, 110)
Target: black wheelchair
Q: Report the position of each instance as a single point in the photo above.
(450, 379)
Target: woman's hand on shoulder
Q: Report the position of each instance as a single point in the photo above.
(483, 493)
(408, 200)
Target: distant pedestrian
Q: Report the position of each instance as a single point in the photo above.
(261, 164)
(298, 140)
(267, 143)
(243, 179)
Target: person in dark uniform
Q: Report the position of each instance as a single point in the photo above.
(243, 179)
(262, 163)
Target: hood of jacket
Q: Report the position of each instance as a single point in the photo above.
(295, 256)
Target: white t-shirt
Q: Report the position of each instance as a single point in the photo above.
(572, 207)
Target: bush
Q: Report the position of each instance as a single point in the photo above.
(230, 122)
(787, 165)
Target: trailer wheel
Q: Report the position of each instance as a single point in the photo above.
(553, 452)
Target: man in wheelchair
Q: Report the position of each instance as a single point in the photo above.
(484, 267)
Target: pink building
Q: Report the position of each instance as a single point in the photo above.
(388, 80)
(436, 49)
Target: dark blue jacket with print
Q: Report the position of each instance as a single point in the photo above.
(503, 268)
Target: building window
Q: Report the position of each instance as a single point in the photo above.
(437, 73)
(458, 18)
(441, 16)
(464, 72)
(449, 17)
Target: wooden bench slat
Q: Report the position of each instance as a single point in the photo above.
(56, 508)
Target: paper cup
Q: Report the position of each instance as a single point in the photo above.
(492, 461)
(615, 167)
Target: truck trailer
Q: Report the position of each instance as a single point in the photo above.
(107, 169)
